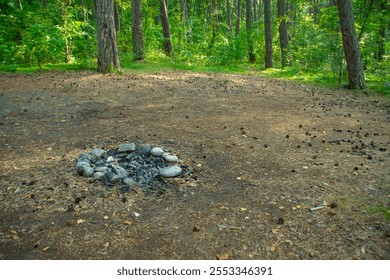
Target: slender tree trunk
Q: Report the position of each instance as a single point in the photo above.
(365, 18)
(254, 10)
(237, 16)
(351, 45)
(185, 19)
(283, 35)
(268, 33)
(67, 51)
(107, 48)
(137, 33)
(214, 19)
(315, 10)
(228, 16)
(165, 27)
(251, 52)
(381, 42)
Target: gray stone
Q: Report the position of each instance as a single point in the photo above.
(157, 152)
(98, 175)
(102, 169)
(112, 177)
(170, 171)
(170, 158)
(85, 170)
(98, 153)
(83, 160)
(83, 163)
(126, 147)
(145, 149)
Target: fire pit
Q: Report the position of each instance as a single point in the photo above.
(127, 166)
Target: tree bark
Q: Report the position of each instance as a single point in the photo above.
(238, 16)
(228, 16)
(107, 49)
(165, 27)
(251, 52)
(116, 17)
(268, 33)
(214, 22)
(137, 33)
(351, 45)
(283, 35)
(254, 10)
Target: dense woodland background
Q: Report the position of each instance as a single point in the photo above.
(292, 37)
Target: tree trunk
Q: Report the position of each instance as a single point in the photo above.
(381, 42)
(316, 10)
(228, 16)
(254, 10)
(214, 19)
(268, 33)
(165, 27)
(185, 19)
(238, 16)
(283, 35)
(107, 48)
(251, 52)
(136, 28)
(351, 45)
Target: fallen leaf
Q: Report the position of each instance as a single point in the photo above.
(223, 256)
(276, 230)
(70, 222)
(13, 232)
(128, 222)
(45, 248)
(80, 221)
(289, 242)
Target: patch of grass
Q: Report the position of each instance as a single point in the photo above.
(27, 69)
(380, 209)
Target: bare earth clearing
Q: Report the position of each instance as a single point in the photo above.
(264, 153)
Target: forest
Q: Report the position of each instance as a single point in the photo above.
(292, 37)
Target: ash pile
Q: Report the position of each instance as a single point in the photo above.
(128, 166)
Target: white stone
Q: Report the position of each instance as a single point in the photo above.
(98, 152)
(157, 152)
(170, 171)
(170, 158)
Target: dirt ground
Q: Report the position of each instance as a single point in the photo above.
(281, 170)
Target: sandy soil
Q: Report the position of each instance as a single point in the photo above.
(281, 170)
